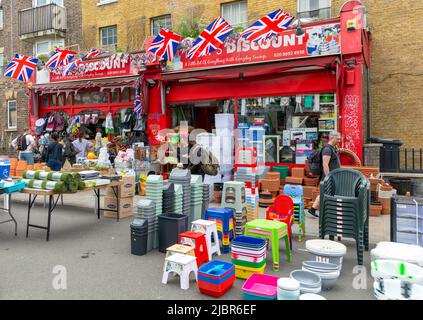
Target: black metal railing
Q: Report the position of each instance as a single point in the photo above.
(403, 160)
(43, 18)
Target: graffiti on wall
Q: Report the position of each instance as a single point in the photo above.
(351, 120)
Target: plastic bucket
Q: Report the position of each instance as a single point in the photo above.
(4, 168)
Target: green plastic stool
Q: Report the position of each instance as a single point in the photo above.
(273, 231)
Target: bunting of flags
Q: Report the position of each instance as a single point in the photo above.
(165, 45)
(270, 25)
(91, 54)
(211, 39)
(21, 67)
(60, 57)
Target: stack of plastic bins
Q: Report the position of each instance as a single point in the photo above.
(206, 199)
(249, 256)
(344, 212)
(168, 198)
(256, 134)
(260, 287)
(178, 200)
(216, 278)
(196, 197)
(243, 135)
(251, 183)
(139, 237)
(234, 197)
(154, 191)
(183, 177)
(224, 218)
(146, 209)
(296, 193)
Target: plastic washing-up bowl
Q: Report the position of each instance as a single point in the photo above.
(262, 285)
(307, 279)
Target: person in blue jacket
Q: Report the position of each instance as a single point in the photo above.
(55, 153)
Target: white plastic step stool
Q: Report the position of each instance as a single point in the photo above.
(183, 265)
(209, 228)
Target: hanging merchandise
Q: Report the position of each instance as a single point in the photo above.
(94, 118)
(140, 124)
(127, 122)
(59, 122)
(39, 126)
(87, 118)
(109, 124)
(50, 124)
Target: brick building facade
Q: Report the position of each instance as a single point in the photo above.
(22, 33)
(395, 74)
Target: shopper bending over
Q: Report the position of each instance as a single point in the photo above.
(330, 162)
(55, 153)
(83, 145)
(25, 144)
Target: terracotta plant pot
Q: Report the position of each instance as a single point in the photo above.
(217, 196)
(375, 209)
(386, 205)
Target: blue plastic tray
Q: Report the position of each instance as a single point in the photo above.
(18, 186)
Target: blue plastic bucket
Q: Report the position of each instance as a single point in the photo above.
(4, 168)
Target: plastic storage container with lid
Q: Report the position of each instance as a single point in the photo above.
(398, 251)
(260, 287)
(4, 168)
(139, 237)
(288, 289)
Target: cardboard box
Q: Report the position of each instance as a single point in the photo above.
(125, 207)
(126, 190)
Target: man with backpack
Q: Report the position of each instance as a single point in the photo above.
(25, 144)
(324, 161)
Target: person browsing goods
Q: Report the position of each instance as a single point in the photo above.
(329, 161)
(83, 145)
(55, 153)
(25, 144)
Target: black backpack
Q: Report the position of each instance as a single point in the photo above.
(21, 142)
(315, 162)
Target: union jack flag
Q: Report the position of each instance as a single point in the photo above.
(138, 103)
(60, 57)
(211, 39)
(272, 24)
(92, 54)
(21, 67)
(165, 45)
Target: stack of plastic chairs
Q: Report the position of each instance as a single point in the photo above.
(344, 208)
(296, 193)
(283, 211)
(249, 255)
(224, 218)
(196, 198)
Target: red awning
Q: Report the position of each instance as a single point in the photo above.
(109, 84)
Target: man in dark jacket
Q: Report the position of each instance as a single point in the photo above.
(55, 153)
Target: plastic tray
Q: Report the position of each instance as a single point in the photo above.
(14, 188)
(261, 285)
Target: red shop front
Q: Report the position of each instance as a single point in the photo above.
(326, 66)
(98, 87)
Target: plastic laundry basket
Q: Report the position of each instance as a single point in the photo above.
(4, 168)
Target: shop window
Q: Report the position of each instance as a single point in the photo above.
(69, 99)
(132, 94)
(236, 13)
(108, 38)
(91, 97)
(314, 9)
(12, 114)
(115, 96)
(159, 23)
(125, 95)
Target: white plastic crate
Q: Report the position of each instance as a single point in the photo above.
(409, 225)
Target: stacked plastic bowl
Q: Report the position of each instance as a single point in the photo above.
(328, 272)
(310, 282)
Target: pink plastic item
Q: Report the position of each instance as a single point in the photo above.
(261, 285)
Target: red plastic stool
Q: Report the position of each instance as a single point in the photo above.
(198, 241)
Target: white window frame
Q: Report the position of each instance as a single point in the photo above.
(154, 19)
(36, 3)
(234, 18)
(1, 17)
(103, 2)
(303, 6)
(52, 44)
(9, 102)
(108, 46)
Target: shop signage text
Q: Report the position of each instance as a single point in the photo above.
(103, 68)
(316, 41)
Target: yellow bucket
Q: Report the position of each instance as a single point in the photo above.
(246, 272)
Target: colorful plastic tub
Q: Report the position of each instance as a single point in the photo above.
(216, 277)
(245, 272)
(255, 265)
(262, 286)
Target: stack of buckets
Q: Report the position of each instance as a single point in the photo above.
(4, 168)
(224, 218)
(249, 256)
(196, 198)
(154, 192)
(146, 209)
(216, 278)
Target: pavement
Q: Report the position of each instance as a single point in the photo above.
(88, 258)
